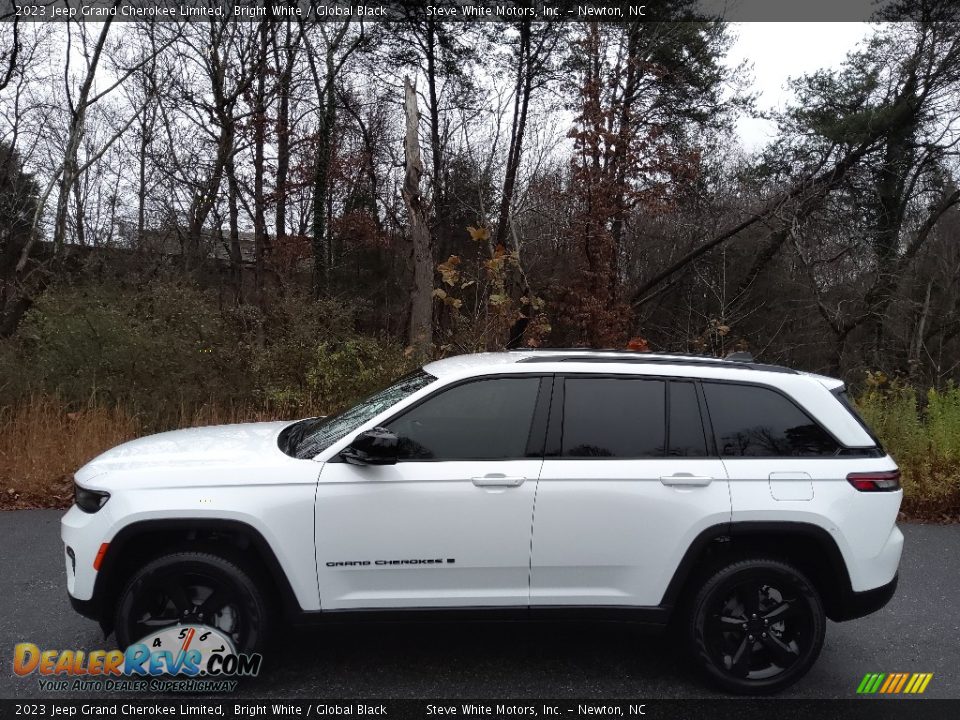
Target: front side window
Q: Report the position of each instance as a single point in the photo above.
(480, 420)
(307, 438)
(613, 417)
(752, 421)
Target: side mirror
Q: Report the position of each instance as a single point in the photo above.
(378, 446)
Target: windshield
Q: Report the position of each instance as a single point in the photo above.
(305, 439)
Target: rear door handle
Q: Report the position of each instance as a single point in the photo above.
(498, 480)
(686, 479)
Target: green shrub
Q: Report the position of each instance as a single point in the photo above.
(169, 351)
(354, 369)
(923, 439)
(156, 348)
(943, 422)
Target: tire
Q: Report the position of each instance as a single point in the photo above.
(756, 626)
(177, 587)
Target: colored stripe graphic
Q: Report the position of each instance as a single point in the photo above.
(892, 678)
(894, 683)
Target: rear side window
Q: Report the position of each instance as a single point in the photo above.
(482, 420)
(614, 417)
(752, 421)
(686, 438)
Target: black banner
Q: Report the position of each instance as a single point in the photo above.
(455, 10)
(739, 709)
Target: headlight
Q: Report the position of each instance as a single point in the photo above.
(89, 501)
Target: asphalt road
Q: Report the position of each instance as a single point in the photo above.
(919, 631)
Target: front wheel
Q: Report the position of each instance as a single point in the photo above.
(757, 626)
(193, 588)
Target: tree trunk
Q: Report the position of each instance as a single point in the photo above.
(421, 297)
(74, 134)
(522, 90)
(321, 183)
(142, 188)
(283, 136)
(236, 256)
(261, 241)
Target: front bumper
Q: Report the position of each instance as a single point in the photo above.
(83, 533)
(88, 608)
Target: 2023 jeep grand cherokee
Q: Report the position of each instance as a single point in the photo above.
(747, 502)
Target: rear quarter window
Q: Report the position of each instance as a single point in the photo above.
(753, 421)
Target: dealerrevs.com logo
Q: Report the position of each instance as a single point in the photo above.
(185, 658)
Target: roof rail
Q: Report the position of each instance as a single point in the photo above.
(595, 356)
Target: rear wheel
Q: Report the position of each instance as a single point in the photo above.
(757, 626)
(193, 588)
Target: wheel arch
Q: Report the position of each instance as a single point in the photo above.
(143, 540)
(809, 547)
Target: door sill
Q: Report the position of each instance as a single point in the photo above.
(655, 616)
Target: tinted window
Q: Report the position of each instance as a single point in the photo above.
(482, 420)
(686, 426)
(758, 422)
(613, 417)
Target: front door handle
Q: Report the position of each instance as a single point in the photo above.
(686, 479)
(498, 480)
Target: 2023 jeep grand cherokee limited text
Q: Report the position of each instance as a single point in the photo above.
(745, 502)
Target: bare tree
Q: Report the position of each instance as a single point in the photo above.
(420, 335)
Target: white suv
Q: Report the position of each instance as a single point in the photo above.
(746, 502)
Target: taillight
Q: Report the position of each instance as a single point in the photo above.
(885, 481)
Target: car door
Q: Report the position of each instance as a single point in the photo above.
(628, 481)
(450, 523)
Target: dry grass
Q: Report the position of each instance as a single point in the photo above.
(42, 444)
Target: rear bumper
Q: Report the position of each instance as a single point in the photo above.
(858, 604)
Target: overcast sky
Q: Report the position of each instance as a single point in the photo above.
(780, 51)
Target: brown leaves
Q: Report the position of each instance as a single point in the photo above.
(638, 344)
(493, 309)
(448, 270)
(441, 294)
(480, 234)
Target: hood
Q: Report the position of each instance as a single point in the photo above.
(242, 445)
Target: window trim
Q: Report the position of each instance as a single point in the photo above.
(538, 422)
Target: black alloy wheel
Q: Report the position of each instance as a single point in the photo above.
(192, 588)
(757, 626)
